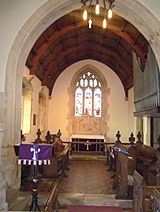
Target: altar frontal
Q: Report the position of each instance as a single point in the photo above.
(34, 154)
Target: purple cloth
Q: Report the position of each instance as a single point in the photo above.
(42, 151)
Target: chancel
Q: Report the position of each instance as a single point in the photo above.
(80, 77)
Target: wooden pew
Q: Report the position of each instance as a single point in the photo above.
(124, 171)
(49, 138)
(125, 166)
(148, 162)
(52, 202)
(62, 152)
(121, 176)
(143, 194)
(59, 157)
(145, 159)
(112, 154)
(156, 200)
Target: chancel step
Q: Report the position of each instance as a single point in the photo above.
(93, 199)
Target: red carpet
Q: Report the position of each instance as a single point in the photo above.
(88, 208)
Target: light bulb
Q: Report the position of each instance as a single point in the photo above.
(97, 9)
(90, 23)
(109, 13)
(85, 15)
(104, 23)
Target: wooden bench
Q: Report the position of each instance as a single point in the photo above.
(112, 154)
(140, 157)
(156, 200)
(123, 179)
(148, 162)
(144, 195)
(59, 157)
(124, 167)
(52, 202)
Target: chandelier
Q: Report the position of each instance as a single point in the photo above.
(107, 14)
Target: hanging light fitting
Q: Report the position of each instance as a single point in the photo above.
(87, 11)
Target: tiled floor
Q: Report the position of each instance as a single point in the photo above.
(88, 183)
(88, 177)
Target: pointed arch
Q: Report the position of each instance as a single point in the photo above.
(16, 56)
(41, 19)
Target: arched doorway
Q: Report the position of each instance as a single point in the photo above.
(136, 14)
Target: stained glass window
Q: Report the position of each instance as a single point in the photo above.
(97, 102)
(88, 102)
(78, 101)
(88, 95)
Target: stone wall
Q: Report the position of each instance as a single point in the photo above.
(3, 204)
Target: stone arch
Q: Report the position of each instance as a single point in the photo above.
(42, 18)
(134, 12)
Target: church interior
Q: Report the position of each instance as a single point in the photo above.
(80, 105)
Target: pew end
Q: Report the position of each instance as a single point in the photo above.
(143, 195)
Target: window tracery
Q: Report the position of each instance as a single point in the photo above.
(88, 95)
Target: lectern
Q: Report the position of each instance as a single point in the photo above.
(34, 155)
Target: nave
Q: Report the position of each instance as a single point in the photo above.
(123, 177)
(88, 183)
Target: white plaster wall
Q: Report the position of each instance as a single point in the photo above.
(131, 109)
(13, 14)
(119, 117)
(36, 84)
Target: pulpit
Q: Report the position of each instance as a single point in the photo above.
(92, 143)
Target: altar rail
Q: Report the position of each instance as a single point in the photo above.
(93, 143)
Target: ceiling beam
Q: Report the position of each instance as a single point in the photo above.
(70, 28)
(121, 69)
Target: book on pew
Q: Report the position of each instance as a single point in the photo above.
(123, 151)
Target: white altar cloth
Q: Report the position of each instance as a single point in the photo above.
(83, 136)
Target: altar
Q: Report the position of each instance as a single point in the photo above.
(92, 143)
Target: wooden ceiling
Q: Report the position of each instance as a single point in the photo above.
(69, 40)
